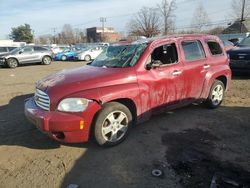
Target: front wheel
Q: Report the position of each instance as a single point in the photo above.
(12, 63)
(216, 95)
(64, 58)
(87, 58)
(112, 124)
(46, 60)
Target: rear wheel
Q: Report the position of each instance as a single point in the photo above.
(12, 63)
(46, 60)
(216, 94)
(87, 58)
(112, 124)
(64, 58)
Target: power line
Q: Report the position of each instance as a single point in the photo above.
(242, 15)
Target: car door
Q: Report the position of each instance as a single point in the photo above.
(194, 70)
(38, 53)
(94, 53)
(26, 55)
(163, 83)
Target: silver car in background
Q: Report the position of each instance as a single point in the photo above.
(25, 55)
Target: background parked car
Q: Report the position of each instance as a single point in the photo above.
(90, 53)
(68, 54)
(6, 49)
(58, 49)
(240, 56)
(228, 45)
(26, 54)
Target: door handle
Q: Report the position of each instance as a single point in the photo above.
(176, 73)
(206, 66)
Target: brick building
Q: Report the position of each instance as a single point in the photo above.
(99, 34)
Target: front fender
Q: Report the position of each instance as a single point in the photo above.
(123, 91)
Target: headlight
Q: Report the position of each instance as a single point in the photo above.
(73, 105)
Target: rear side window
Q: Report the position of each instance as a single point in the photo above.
(214, 48)
(193, 50)
(38, 48)
(27, 49)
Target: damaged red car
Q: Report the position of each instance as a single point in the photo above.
(126, 84)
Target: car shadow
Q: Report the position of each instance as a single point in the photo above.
(15, 129)
(170, 142)
(188, 145)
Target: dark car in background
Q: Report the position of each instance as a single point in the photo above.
(228, 45)
(25, 55)
(6, 49)
(240, 56)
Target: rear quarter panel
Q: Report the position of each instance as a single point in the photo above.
(219, 66)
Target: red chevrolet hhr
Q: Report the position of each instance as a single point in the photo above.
(126, 84)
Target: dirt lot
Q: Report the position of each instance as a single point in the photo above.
(190, 145)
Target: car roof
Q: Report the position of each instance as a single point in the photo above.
(165, 38)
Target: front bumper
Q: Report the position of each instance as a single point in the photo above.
(2, 61)
(64, 127)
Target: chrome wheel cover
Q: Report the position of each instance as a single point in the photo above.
(217, 95)
(115, 126)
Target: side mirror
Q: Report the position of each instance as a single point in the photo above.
(153, 64)
(20, 52)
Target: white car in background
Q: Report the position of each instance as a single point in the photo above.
(90, 53)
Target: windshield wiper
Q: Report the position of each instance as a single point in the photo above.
(113, 66)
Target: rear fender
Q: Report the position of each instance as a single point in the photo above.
(212, 76)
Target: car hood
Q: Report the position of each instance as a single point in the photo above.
(72, 81)
(237, 50)
(4, 54)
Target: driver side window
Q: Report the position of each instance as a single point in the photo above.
(166, 54)
(28, 49)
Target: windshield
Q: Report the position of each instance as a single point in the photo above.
(245, 42)
(16, 50)
(118, 56)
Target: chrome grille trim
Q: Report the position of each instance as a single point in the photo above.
(42, 100)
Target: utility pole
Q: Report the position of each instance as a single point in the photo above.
(33, 33)
(242, 15)
(54, 35)
(103, 20)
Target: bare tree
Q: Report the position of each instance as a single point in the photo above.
(44, 39)
(236, 9)
(200, 19)
(216, 30)
(67, 34)
(167, 8)
(146, 23)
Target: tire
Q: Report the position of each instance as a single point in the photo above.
(109, 130)
(64, 58)
(12, 63)
(216, 95)
(46, 60)
(87, 58)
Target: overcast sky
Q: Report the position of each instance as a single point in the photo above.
(43, 15)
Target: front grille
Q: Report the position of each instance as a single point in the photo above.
(42, 100)
(239, 57)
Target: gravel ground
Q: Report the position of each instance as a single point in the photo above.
(189, 145)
